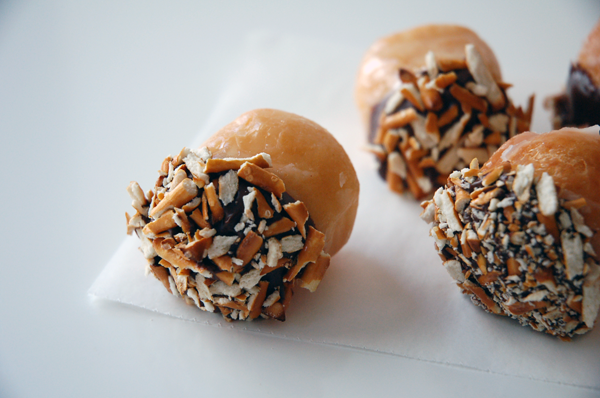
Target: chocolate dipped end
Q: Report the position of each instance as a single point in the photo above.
(579, 105)
(438, 120)
(377, 73)
(225, 236)
(516, 248)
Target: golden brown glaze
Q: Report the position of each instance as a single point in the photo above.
(589, 57)
(571, 156)
(378, 72)
(313, 165)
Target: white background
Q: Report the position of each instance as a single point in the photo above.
(93, 95)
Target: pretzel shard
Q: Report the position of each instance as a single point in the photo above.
(262, 160)
(249, 247)
(315, 241)
(175, 257)
(182, 194)
(278, 227)
(214, 203)
(299, 213)
(483, 76)
(163, 223)
(264, 210)
(256, 306)
(262, 178)
(314, 272)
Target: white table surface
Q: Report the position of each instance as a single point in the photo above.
(85, 88)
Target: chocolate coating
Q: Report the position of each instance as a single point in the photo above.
(516, 248)
(580, 104)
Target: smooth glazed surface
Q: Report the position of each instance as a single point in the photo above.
(313, 165)
(589, 57)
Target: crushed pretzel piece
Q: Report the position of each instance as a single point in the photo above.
(446, 164)
(431, 98)
(214, 203)
(199, 219)
(182, 194)
(523, 181)
(573, 251)
(275, 311)
(492, 176)
(139, 201)
(181, 220)
(399, 119)
(282, 262)
(452, 135)
(228, 187)
(196, 250)
(193, 204)
(395, 181)
(249, 246)
(412, 94)
(262, 160)
(162, 275)
(264, 210)
(465, 96)
(546, 193)
(299, 213)
(278, 227)
(259, 298)
(220, 245)
(176, 257)
(483, 76)
(227, 277)
(462, 199)
(448, 116)
(163, 223)
(481, 295)
(575, 204)
(431, 65)
(390, 140)
(314, 272)
(447, 65)
(513, 266)
(262, 178)
(442, 81)
(224, 262)
(315, 241)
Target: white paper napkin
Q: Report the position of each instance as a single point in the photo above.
(386, 291)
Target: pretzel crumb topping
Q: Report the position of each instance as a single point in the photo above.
(439, 119)
(224, 235)
(521, 251)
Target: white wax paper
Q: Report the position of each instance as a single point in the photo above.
(386, 291)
